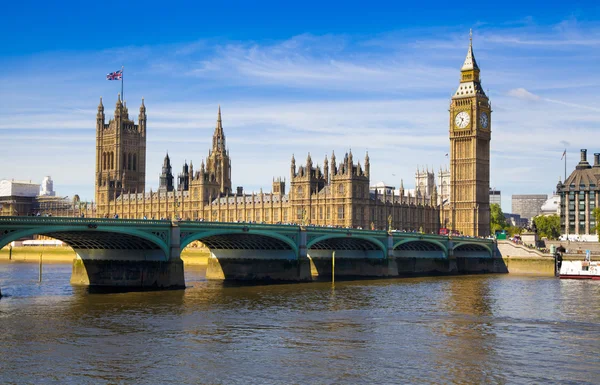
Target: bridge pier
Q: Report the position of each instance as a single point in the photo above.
(257, 265)
(142, 269)
(352, 264)
(128, 274)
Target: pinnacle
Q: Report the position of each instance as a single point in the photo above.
(470, 62)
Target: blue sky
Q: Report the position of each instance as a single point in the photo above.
(298, 77)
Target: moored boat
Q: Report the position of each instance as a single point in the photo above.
(580, 270)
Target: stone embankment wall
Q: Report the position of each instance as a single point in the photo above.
(523, 260)
(510, 249)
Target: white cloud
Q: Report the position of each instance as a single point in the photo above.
(522, 93)
(388, 94)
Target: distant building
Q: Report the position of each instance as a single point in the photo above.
(47, 187)
(516, 220)
(551, 206)
(579, 197)
(495, 197)
(528, 205)
(18, 188)
(25, 198)
(444, 187)
(16, 197)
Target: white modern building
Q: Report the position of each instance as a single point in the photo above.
(15, 188)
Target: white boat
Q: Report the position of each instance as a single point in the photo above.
(579, 270)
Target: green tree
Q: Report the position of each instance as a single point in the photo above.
(497, 220)
(548, 226)
(514, 230)
(596, 213)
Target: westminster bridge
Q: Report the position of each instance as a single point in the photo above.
(146, 253)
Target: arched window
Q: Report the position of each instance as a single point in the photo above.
(124, 161)
(341, 188)
(134, 162)
(112, 160)
(103, 161)
(129, 161)
(299, 191)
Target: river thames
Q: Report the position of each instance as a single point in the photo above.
(485, 329)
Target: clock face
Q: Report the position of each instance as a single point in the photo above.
(484, 120)
(462, 119)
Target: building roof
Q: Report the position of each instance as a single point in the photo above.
(551, 205)
(582, 178)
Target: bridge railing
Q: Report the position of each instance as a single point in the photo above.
(79, 220)
(21, 220)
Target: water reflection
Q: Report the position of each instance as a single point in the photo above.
(463, 330)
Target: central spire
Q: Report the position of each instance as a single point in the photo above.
(470, 62)
(219, 136)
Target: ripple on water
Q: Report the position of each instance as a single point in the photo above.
(461, 330)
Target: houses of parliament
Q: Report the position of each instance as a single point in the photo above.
(338, 194)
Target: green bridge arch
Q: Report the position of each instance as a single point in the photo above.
(478, 244)
(45, 230)
(198, 235)
(426, 240)
(345, 236)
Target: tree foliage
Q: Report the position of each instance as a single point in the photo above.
(514, 230)
(548, 226)
(497, 219)
(596, 213)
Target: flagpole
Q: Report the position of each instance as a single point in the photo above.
(565, 180)
(122, 94)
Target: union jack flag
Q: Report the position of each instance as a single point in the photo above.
(118, 75)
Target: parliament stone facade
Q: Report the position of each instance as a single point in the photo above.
(338, 194)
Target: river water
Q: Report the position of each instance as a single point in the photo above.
(492, 329)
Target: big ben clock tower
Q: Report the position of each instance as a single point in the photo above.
(470, 134)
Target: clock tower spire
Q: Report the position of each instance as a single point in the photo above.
(470, 135)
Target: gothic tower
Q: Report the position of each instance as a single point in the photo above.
(183, 183)
(165, 181)
(470, 134)
(120, 154)
(218, 162)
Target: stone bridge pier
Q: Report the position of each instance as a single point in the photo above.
(134, 263)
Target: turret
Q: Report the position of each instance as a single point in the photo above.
(142, 118)
(293, 167)
(100, 116)
(118, 107)
(367, 165)
(326, 169)
(333, 165)
(401, 190)
(308, 162)
(166, 178)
